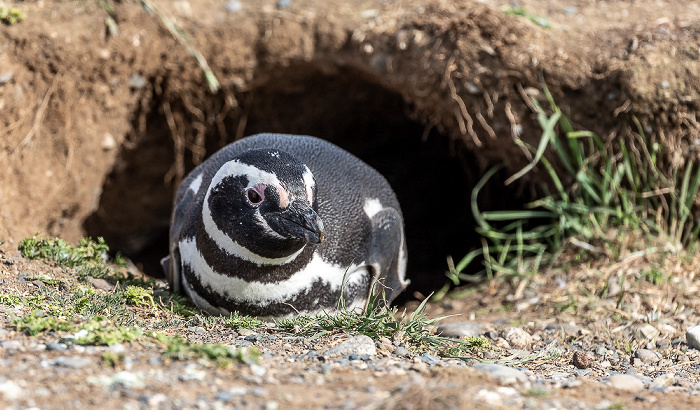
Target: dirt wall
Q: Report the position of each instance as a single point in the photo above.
(98, 125)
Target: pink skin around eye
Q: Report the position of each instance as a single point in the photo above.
(260, 190)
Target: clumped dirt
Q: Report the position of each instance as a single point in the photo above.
(98, 126)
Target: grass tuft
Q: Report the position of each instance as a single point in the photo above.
(85, 253)
(36, 323)
(615, 192)
(178, 348)
(379, 321)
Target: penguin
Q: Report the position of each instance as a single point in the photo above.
(277, 225)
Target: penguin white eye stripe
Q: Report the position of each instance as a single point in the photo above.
(234, 248)
(309, 183)
(255, 175)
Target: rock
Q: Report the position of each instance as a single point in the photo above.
(127, 379)
(183, 7)
(10, 390)
(233, 6)
(460, 330)
(504, 375)
(401, 351)
(517, 338)
(580, 360)
(257, 370)
(647, 332)
(626, 382)
(6, 77)
(428, 358)
(74, 362)
(11, 345)
(283, 4)
(665, 380)
(359, 345)
(692, 337)
(246, 332)
(136, 82)
(108, 143)
(100, 284)
(647, 356)
(58, 347)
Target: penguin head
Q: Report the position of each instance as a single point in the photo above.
(265, 201)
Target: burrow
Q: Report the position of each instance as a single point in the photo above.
(433, 175)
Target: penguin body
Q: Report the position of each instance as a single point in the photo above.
(274, 225)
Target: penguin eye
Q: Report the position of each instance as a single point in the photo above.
(254, 196)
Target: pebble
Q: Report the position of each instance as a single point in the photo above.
(626, 382)
(283, 4)
(257, 370)
(127, 379)
(97, 283)
(136, 82)
(58, 347)
(517, 338)
(504, 375)
(359, 345)
(402, 352)
(233, 6)
(223, 396)
(460, 330)
(10, 390)
(647, 356)
(692, 336)
(11, 345)
(428, 358)
(246, 332)
(74, 362)
(665, 380)
(647, 331)
(6, 77)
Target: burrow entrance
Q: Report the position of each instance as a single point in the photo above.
(432, 175)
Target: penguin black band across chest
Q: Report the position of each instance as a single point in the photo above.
(274, 225)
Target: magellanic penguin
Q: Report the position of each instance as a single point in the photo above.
(275, 225)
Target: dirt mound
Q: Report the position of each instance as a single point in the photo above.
(100, 121)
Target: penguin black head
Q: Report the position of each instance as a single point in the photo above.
(262, 205)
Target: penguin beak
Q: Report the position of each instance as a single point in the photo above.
(302, 222)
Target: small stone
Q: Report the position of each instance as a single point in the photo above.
(283, 4)
(359, 345)
(251, 338)
(246, 332)
(580, 360)
(354, 356)
(57, 347)
(665, 380)
(692, 336)
(6, 77)
(127, 379)
(183, 7)
(428, 358)
(460, 330)
(504, 375)
(108, 144)
(74, 362)
(517, 338)
(257, 370)
(136, 82)
(10, 390)
(402, 352)
(626, 382)
(11, 345)
(97, 283)
(647, 331)
(223, 396)
(233, 6)
(647, 356)
(601, 351)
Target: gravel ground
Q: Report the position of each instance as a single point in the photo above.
(572, 359)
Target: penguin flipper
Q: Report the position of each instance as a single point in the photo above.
(387, 248)
(165, 264)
